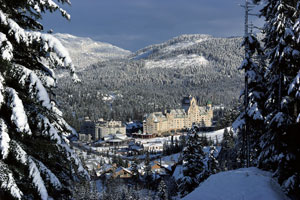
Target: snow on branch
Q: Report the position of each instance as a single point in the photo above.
(6, 49)
(49, 175)
(1, 90)
(41, 5)
(4, 139)
(36, 87)
(48, 129)
(254, 112)
(279, 118)
(18, 116)
(49, 43)
(38, 182)
(71, 156)
(18, 152)
(239, 122)
(61, 123)
(8, 182)
(53, 44)
(47, 75)
(31, 82)
(294, 84)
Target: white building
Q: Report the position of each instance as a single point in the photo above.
(89, 130)
(105, 128)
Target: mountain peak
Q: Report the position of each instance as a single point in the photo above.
(84, 51)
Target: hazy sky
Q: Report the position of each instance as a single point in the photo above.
(134, 24)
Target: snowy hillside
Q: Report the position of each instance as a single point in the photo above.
(175, 44)
(174, 53)
(246, 184)
(216, 135)
(179, 61)
(85, 51)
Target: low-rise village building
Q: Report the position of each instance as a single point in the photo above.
(154, 147)
(116, 139)
(122, 172)
(177, 119)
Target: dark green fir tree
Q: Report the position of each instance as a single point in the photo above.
(193, 164)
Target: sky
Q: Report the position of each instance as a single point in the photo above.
(134, 24)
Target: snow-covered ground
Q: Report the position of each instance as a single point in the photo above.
(175, 44)
(157, 140)
(180, 61)
(185, 44)
(240, 184)
(166, 55)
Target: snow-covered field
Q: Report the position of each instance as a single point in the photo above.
(240, 184)
(184, 44)
(214, 135)
(180, 61)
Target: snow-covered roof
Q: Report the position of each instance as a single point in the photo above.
(115, 137)
(153, 144)
(178, 174)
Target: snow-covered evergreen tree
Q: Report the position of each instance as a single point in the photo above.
(162, 191)
(85, 190)
(227, 155)
(280, 142)
(194, 169)
(250, 123)
(36, 161)
(135, 172)
(212, 163)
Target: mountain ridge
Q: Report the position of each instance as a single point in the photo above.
(85, 51)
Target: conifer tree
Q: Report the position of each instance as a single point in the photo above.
(162, 191)
(227, 155)
(280, 141)
(135, 172)
(212, 163)
(193, 164)
(250, 123)
(148, 172)
(36, 161)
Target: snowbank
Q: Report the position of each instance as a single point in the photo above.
(245, 183)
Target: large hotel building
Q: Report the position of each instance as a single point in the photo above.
(176, 119)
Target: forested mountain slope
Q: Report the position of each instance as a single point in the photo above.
(155, 78)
